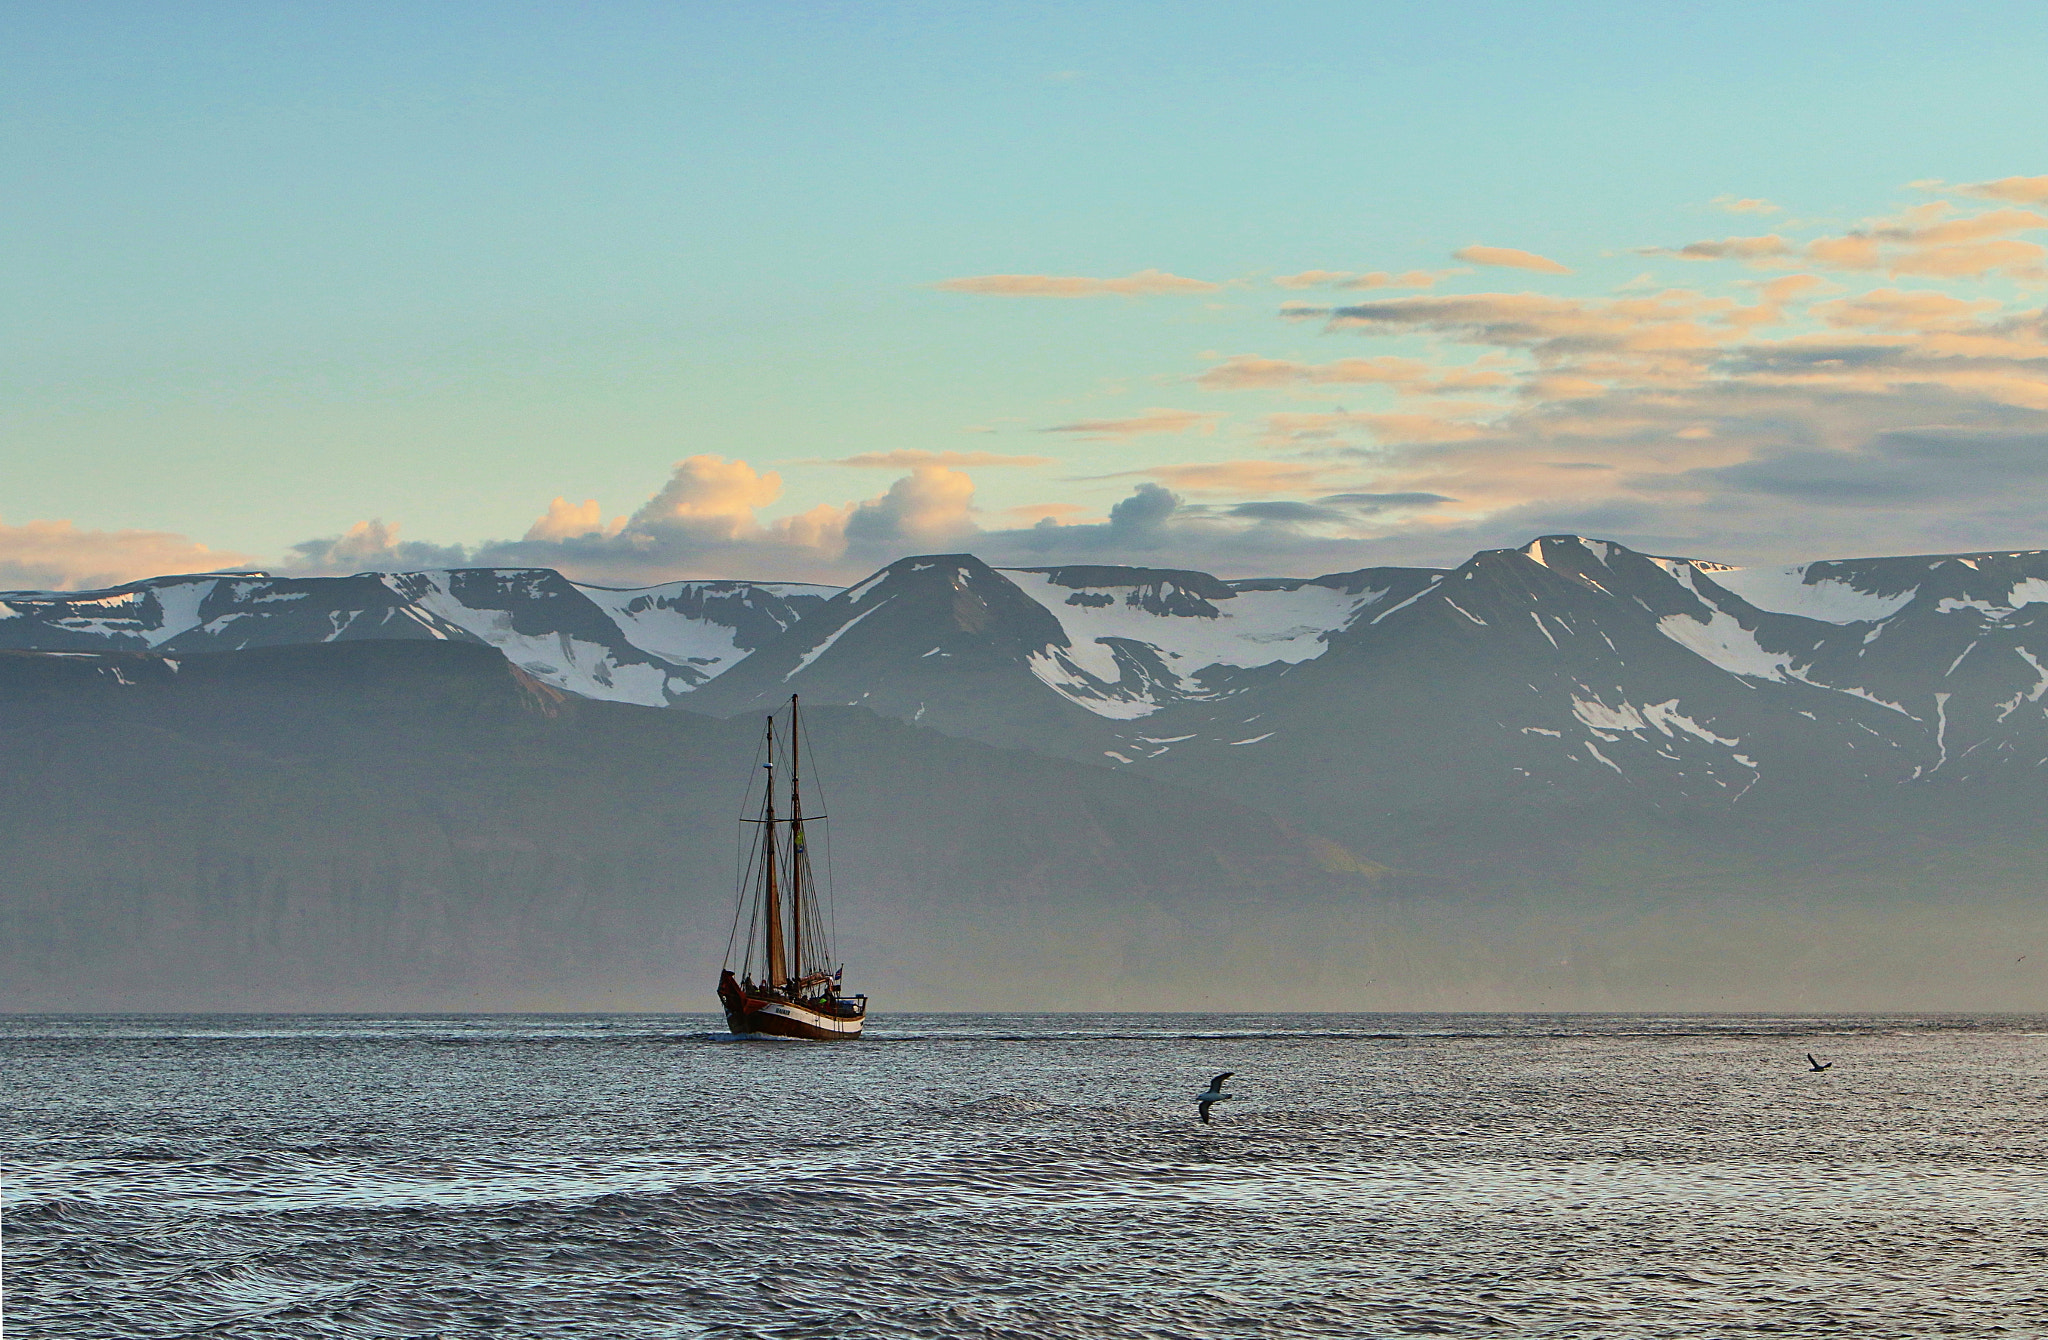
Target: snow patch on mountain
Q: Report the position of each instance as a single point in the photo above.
(1721, 639)
(1609, 723)
(2032, 695)
(2027, 591)
(841, 631)
(589, 669)
(651, 623)
(1787, 591)
(653, 618)
(1251, 628)
(1055, 668)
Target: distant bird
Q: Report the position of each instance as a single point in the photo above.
(1213, 1094)
(1816, 1066)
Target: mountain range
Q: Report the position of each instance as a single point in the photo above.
(1567, 664)
(1538, 730)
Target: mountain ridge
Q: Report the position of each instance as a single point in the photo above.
(1561, 666)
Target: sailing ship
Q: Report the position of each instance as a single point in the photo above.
(788, 939)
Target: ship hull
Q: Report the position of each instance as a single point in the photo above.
(745, 1014)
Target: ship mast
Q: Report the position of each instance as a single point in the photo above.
(777, 971)
(797, 855)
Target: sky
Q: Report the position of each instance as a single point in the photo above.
(788, 291)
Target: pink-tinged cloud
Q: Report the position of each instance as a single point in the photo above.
(1751, 249)
(931, 505)
(1241, 477)
(1660, 334)
(711, 496)
(1890, 309)
(1925, 240)
(374, 546)
(910, 459)
(566, 520)
(1354, 280)
(1773, 300)
(1510, 258)
(2017, 190)
(1308, 431)
(1314, 278)
(57, 556)
(1151, 421)
(1143, 284)
(1410, 375)
(1057, 513)
(1746, 205)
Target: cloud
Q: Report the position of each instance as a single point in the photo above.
(565, 520)
(904, 460)
(1927, 241)
(1238, 477)
(1289, 513)
(929, 506)
(57, 556)
(1143, 284)
(1311, 430)
(1580, 344)
(1353, 279)
(2018, 190)
(1044, 511)
(703, 517)
(1412, 375)
(1384, 502)
(1510, 258)
(1313, 278)
(1150, 421)
(374, 546)
(1755, 250)
(1746, 205)
(1890, 309)
(709, 497)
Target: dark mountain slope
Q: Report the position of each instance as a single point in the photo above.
(420, 825)
(1540, 676)
(944, 641)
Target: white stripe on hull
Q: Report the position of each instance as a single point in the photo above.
(799, 1017)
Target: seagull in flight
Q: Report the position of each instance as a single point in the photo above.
(1815, 1066)
(1213, 1094)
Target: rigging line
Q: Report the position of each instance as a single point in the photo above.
(753, 922)
(741, 863)
(831, 885)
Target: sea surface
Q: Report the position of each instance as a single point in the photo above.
(630, 1176)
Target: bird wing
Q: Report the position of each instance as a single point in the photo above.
(1810, 1060)
(1217, 1082)
(1202, 1111)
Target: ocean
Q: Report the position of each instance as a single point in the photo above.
(628, 1176)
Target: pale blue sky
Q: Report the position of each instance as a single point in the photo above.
(274, 270)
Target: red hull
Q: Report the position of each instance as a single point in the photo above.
(816, 1021)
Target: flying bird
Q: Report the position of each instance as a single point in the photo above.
(1213, 1094)
(1816, 1066)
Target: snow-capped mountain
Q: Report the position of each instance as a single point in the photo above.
(1568, 666)
(649, 645)
(1139, 639)
(1575, 668)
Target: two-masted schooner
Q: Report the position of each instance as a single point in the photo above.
(797, 994)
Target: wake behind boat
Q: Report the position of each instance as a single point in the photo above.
(797, 995)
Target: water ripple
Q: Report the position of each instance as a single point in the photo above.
(1041, 1176)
